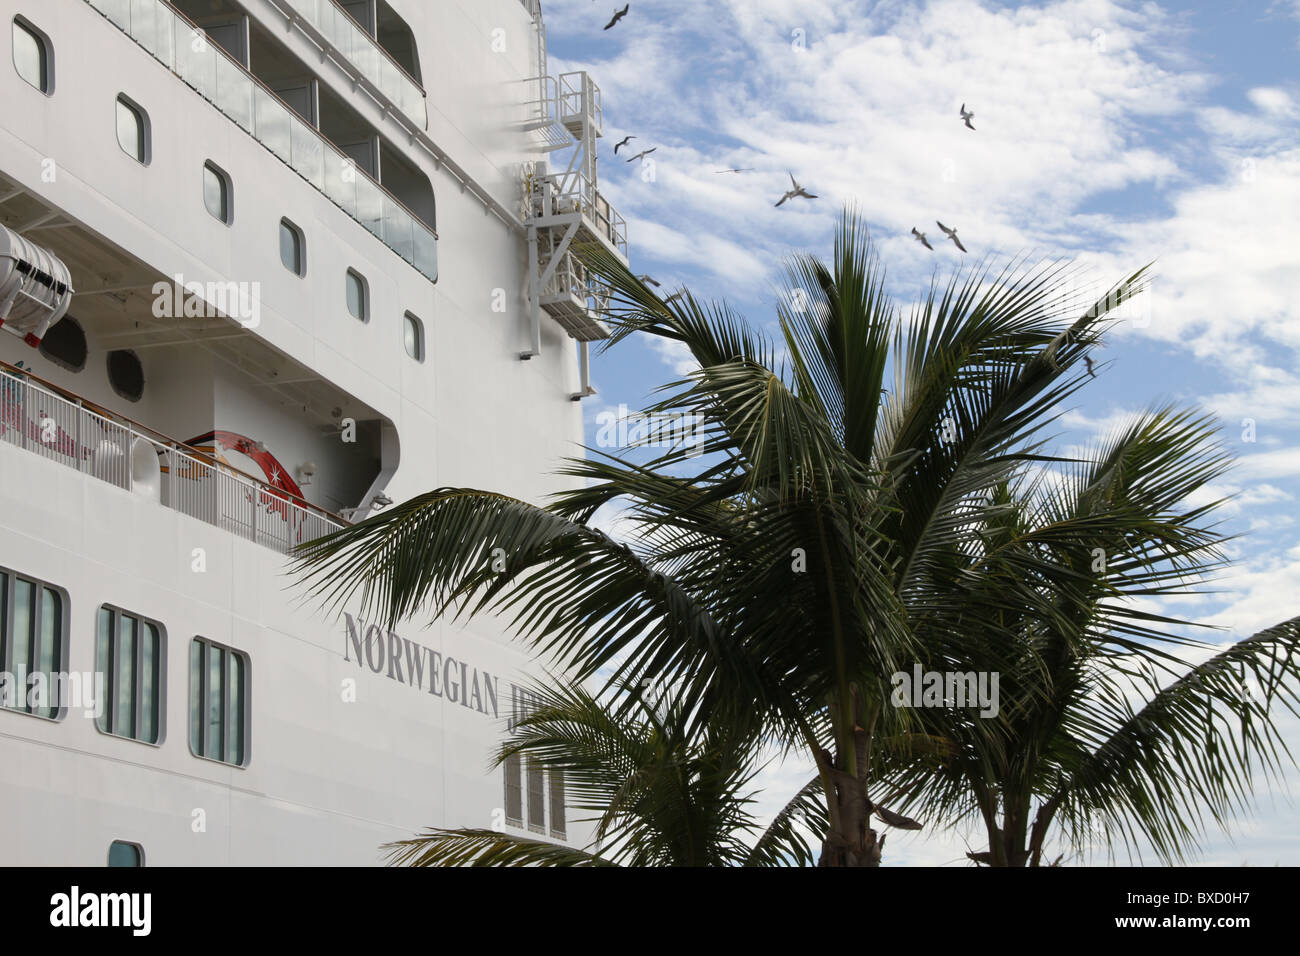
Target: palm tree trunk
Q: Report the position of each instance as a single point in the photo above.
(853, 842)
(850, 840)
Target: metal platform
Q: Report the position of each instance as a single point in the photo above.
(564, 206)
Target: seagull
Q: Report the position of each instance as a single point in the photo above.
(967, 115)
(619, 145)
(1088, 362)
(747, 170)
(643, 153)
(675, 295)
(951, 234)
(650, 280)
(920, 237)
(618, 15)
(795, 191)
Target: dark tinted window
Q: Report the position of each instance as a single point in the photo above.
(126, 374)
(65, 344)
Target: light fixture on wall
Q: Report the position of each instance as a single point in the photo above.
(306, 472)
(377, 502)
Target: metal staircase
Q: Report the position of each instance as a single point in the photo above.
(562, 205)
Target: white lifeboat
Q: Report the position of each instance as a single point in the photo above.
(35, 287)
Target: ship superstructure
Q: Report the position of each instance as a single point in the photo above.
(265, 267)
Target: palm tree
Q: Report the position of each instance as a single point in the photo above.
(661, 791)
(1108, 735)
(780, 563)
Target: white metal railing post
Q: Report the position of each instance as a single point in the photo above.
(26, 401)
(78, 446)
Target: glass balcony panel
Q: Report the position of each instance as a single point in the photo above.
(119, 11)
(308, 153)
(151, 26)
(234, 92)
(426, 252)
(272, 127)
(340, 185)
(370, 205)
(338, 28)
(413, 104)
(195, 59)
(390, 79)
(366, 59)
(397, 229)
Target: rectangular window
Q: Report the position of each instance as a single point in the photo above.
(128, 653)
(218, 702)
(31, 55)
(358, 294)
(33, 646)
(132, 130)
(216, 192)
(413, 337)
(121, 853)
(536, 797)
(291, 248)
(514, 790)
(556, 780)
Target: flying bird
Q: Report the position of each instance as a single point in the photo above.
(967, 116)
(920, 237)
(618, 15)
(951, 234)
(795, 191)
(1088, 363)
(747, 170)
(621, 143)
(642, 154)
(675, 295)
(650, 280)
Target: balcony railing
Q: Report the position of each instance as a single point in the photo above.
(223, 81)
(337, 28)
(578, 100)
(62, 427)
(575, 192)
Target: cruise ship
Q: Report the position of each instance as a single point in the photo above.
(267, 266)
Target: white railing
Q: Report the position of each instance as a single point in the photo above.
(119, 452)
(578, 100)
(569, 280)
(573, 191)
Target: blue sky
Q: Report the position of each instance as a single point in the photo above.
(1114, 134)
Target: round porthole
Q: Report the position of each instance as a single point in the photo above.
(125, 374)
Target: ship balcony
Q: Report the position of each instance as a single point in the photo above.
(227, 84)
(60, 426)
(364, 57)
(568, 296)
